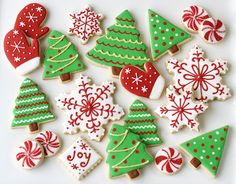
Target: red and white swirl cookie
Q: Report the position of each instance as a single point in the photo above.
(212, 30)
(29, 154)
(169, 160)
(193, 16)
(50, 142)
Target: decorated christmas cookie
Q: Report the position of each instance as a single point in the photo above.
(207, 149)
(23, 56)
(120, 46)
(89, 107)
(142, 123)
(50, 142)
(148, 83)
(32, 107)
(165, 37)
(29, 154)
(85, 24)
(61, 58)
(181, 110)
(30, 19)
(200, 74)
(212, 30)
(80, 158)
(169, 160)
(126, 154)
(193, 16)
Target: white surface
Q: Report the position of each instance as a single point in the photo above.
(52, 170)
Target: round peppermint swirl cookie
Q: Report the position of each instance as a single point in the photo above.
(50, 142)
(29, 154)
(193, 16)
(169, 160)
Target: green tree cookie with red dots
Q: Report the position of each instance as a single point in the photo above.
(126, 154)
(61, 58)
(165, 37)
(207, 149)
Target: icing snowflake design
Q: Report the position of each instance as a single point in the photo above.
(86, 24)
(200, 74)
(181, 110)
(17, 46)
(89, 107)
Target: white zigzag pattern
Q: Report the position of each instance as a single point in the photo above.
(139, 115)
(31, 109)
(142, 127)
(30, 100)
(138, 104)
(33, 119)
(151, 139)
(28, 90)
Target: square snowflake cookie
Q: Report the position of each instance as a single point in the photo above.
(80, 158)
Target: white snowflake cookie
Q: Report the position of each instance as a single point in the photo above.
(80, 158)
(89, 107)
(181, 110)
(201, 75)
(85, 24)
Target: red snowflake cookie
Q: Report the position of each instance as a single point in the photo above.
(89, 107)
(86, 24)
(30, 19)
(201, 75)
(181, 110)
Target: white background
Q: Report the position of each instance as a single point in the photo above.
(52, 171)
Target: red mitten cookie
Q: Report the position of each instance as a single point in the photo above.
(30, 18)
(148, 83)
(23, 56)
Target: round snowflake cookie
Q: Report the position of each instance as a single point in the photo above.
(193, 16)
(50, 142)
(29, 154)
(169, 160)
(212, 30)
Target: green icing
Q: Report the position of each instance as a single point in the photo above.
(163, 34)
(61, 56)
(125, 151)
(141, 122)
(208, 148)
(31, 105)
(121, 45)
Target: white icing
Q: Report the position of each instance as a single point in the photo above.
(28, 66)
(157, 88)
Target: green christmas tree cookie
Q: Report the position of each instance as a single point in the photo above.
(142, 123)
(207, 149)
(126, 154)
(164, 35)
(120, 46)
(31, 107)
(61, 58)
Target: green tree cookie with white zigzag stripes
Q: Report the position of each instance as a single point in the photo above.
(141, 122)
(31, 107)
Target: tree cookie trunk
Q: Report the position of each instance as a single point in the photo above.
(174, 49)
(195, 162)
(133, 174)
(115, 70)
(65, 77)
(33, 127)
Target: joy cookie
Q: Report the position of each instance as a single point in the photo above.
(193, 16)
(169, 160)
(142, 123)
(212, 30)
(120, 46)
(30, 19)
(89, 107)
(61, 58)
(86, 24)
(181, 110)
(201, 75)
(207, 149)
(165, 37)
(29, 154)
(126, 154)
(32, 107)
(50, 142)
(146, 83)
(23, 56)
(80, 158)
